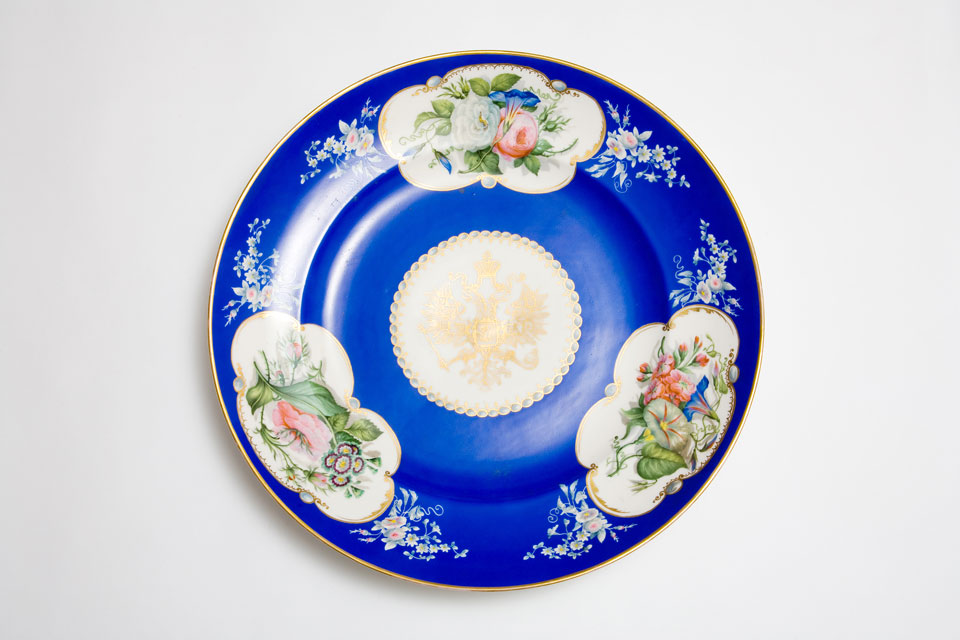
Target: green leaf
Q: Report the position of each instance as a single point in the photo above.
(311, 397)
(491, 163)
(532, 163)
(345, 436)
(542, 147)
(633, 417)
(472, 160)
(658, 462)
(444, 127)
(259, 394)
(721, 385)
(443, 108)
(364, 430)
(479, 86)
(518, 162)
(423, 117)
(338, 421)
(484, 160)
(503, 82)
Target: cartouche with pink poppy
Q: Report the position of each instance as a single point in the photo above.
(677, 413)
(313, 439)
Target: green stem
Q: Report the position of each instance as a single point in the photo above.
(271, 441)
(570, 146)
(624, 446)
(480, 159)
(623, 462)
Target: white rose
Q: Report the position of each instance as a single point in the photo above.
(474, 122)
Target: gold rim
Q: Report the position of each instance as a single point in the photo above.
(753, 255)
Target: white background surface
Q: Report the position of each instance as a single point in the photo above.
(128, 130)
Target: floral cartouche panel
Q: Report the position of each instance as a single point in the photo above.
(496, 123)
(665, 413)
(294, 384)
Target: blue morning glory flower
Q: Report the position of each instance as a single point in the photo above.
(514, 100)
(698, 402)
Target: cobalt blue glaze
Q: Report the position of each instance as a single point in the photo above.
(351, 241)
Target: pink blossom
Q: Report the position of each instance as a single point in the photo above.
(702, 359)
(669, 383)
(616, 147)
(364, 144)
(266, 295)
(294, 350)
(665, 365)
(593, 526)
(396, 534)
(352, 139)
(644, 371)
(312, 435)
(714, 282)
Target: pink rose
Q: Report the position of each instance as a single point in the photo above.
(306, 429)
(520, 138)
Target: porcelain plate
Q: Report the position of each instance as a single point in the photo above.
(485, 320)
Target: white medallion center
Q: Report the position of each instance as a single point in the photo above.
(485, 323)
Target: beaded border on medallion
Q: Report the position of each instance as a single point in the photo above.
(484, 410)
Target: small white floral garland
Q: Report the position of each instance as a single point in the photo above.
(710, 286)
(409, 526)
(582, 524)
(627, 152)
(262, 283)
(353, 149)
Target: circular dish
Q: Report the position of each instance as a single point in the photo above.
(485, 320)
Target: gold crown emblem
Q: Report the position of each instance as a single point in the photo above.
(487, 267)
